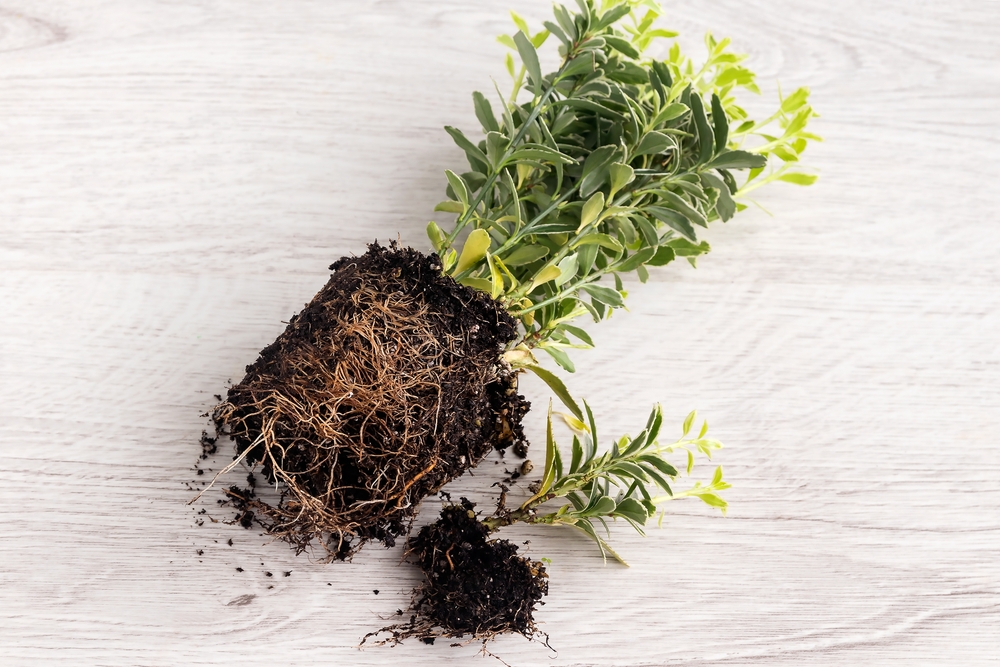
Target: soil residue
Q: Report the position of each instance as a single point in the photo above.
(389, 384)
(474, 587)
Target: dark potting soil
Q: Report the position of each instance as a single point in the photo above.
(473, 586)
(389, 384)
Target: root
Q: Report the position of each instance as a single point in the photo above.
(388, 385)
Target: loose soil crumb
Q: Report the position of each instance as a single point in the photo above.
(389, 384)
(473, 586)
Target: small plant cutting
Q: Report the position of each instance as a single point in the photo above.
(402, 372)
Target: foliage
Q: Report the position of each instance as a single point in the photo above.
(628, 481)
(608, 166)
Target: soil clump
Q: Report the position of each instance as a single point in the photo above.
(473, 586)
(389, 384)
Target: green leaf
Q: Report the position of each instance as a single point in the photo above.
(669, 113)
(721, 124)
(689, 420)
(568, 267)
(558, 388)
(496, 145)
(540, 152)
(596, 169)
(579, 333)
(577, 458)
(659, 464)
(631, 508)
(480, 284)
(530, 59)
(591, 210)
(737, 160)
(684, 248)
(526, 254)
(621, 175)
(484, 112)
(612, 15)
(679, 223)
(725, 206)
(437, 236)
(621, 45)
(605, 295)
(630, 469)
(450, 206)
(459, 187)
(798, 178)
(652, 144)
(705, 139)
(605, 505)
(663, 72)
(475, 156)
(664, 255)
(714, 501)
(636, 260)
(474, 250)
(602, 240)
(681, 205)
(588, 105)
(561, 358)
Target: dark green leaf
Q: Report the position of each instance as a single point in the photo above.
(664, 255)
(725, 206)
(621, 45)
(530, 59)
(476, 157)
(652, 144)
(636, 260)
(705, 140)
(612, 15)
(484, 112)
(579, 333)
(684, 248)
(631, 508)
(595, 169)
(720, 123)
(577, 457)
(558, 388)
(654, 81)
(589, 105)
(674, 220)
(658, 463)
(681, 205)
(737, 160)
(561, 358)
(663, 72)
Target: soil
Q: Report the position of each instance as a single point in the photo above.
(389, 384)
(473, 586)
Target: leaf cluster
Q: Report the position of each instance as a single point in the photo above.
(627, 481)
(608, 166)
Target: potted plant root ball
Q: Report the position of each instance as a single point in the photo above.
(402, 372)
(389, 384)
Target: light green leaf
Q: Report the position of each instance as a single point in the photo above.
(474, 250)
(591, 210)
(436, 235)
(568, 267)
(526, 254)
(798, 178)
(459, 187)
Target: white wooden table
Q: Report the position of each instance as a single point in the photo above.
(175, 178)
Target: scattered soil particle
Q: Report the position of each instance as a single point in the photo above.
(389, 384)
(375, 591)
(239, 569)
(472, 585)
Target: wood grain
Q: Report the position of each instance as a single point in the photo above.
(176, 177)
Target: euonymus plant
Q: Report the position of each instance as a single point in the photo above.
(606, 166)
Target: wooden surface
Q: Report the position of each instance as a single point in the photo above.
(175, 178)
